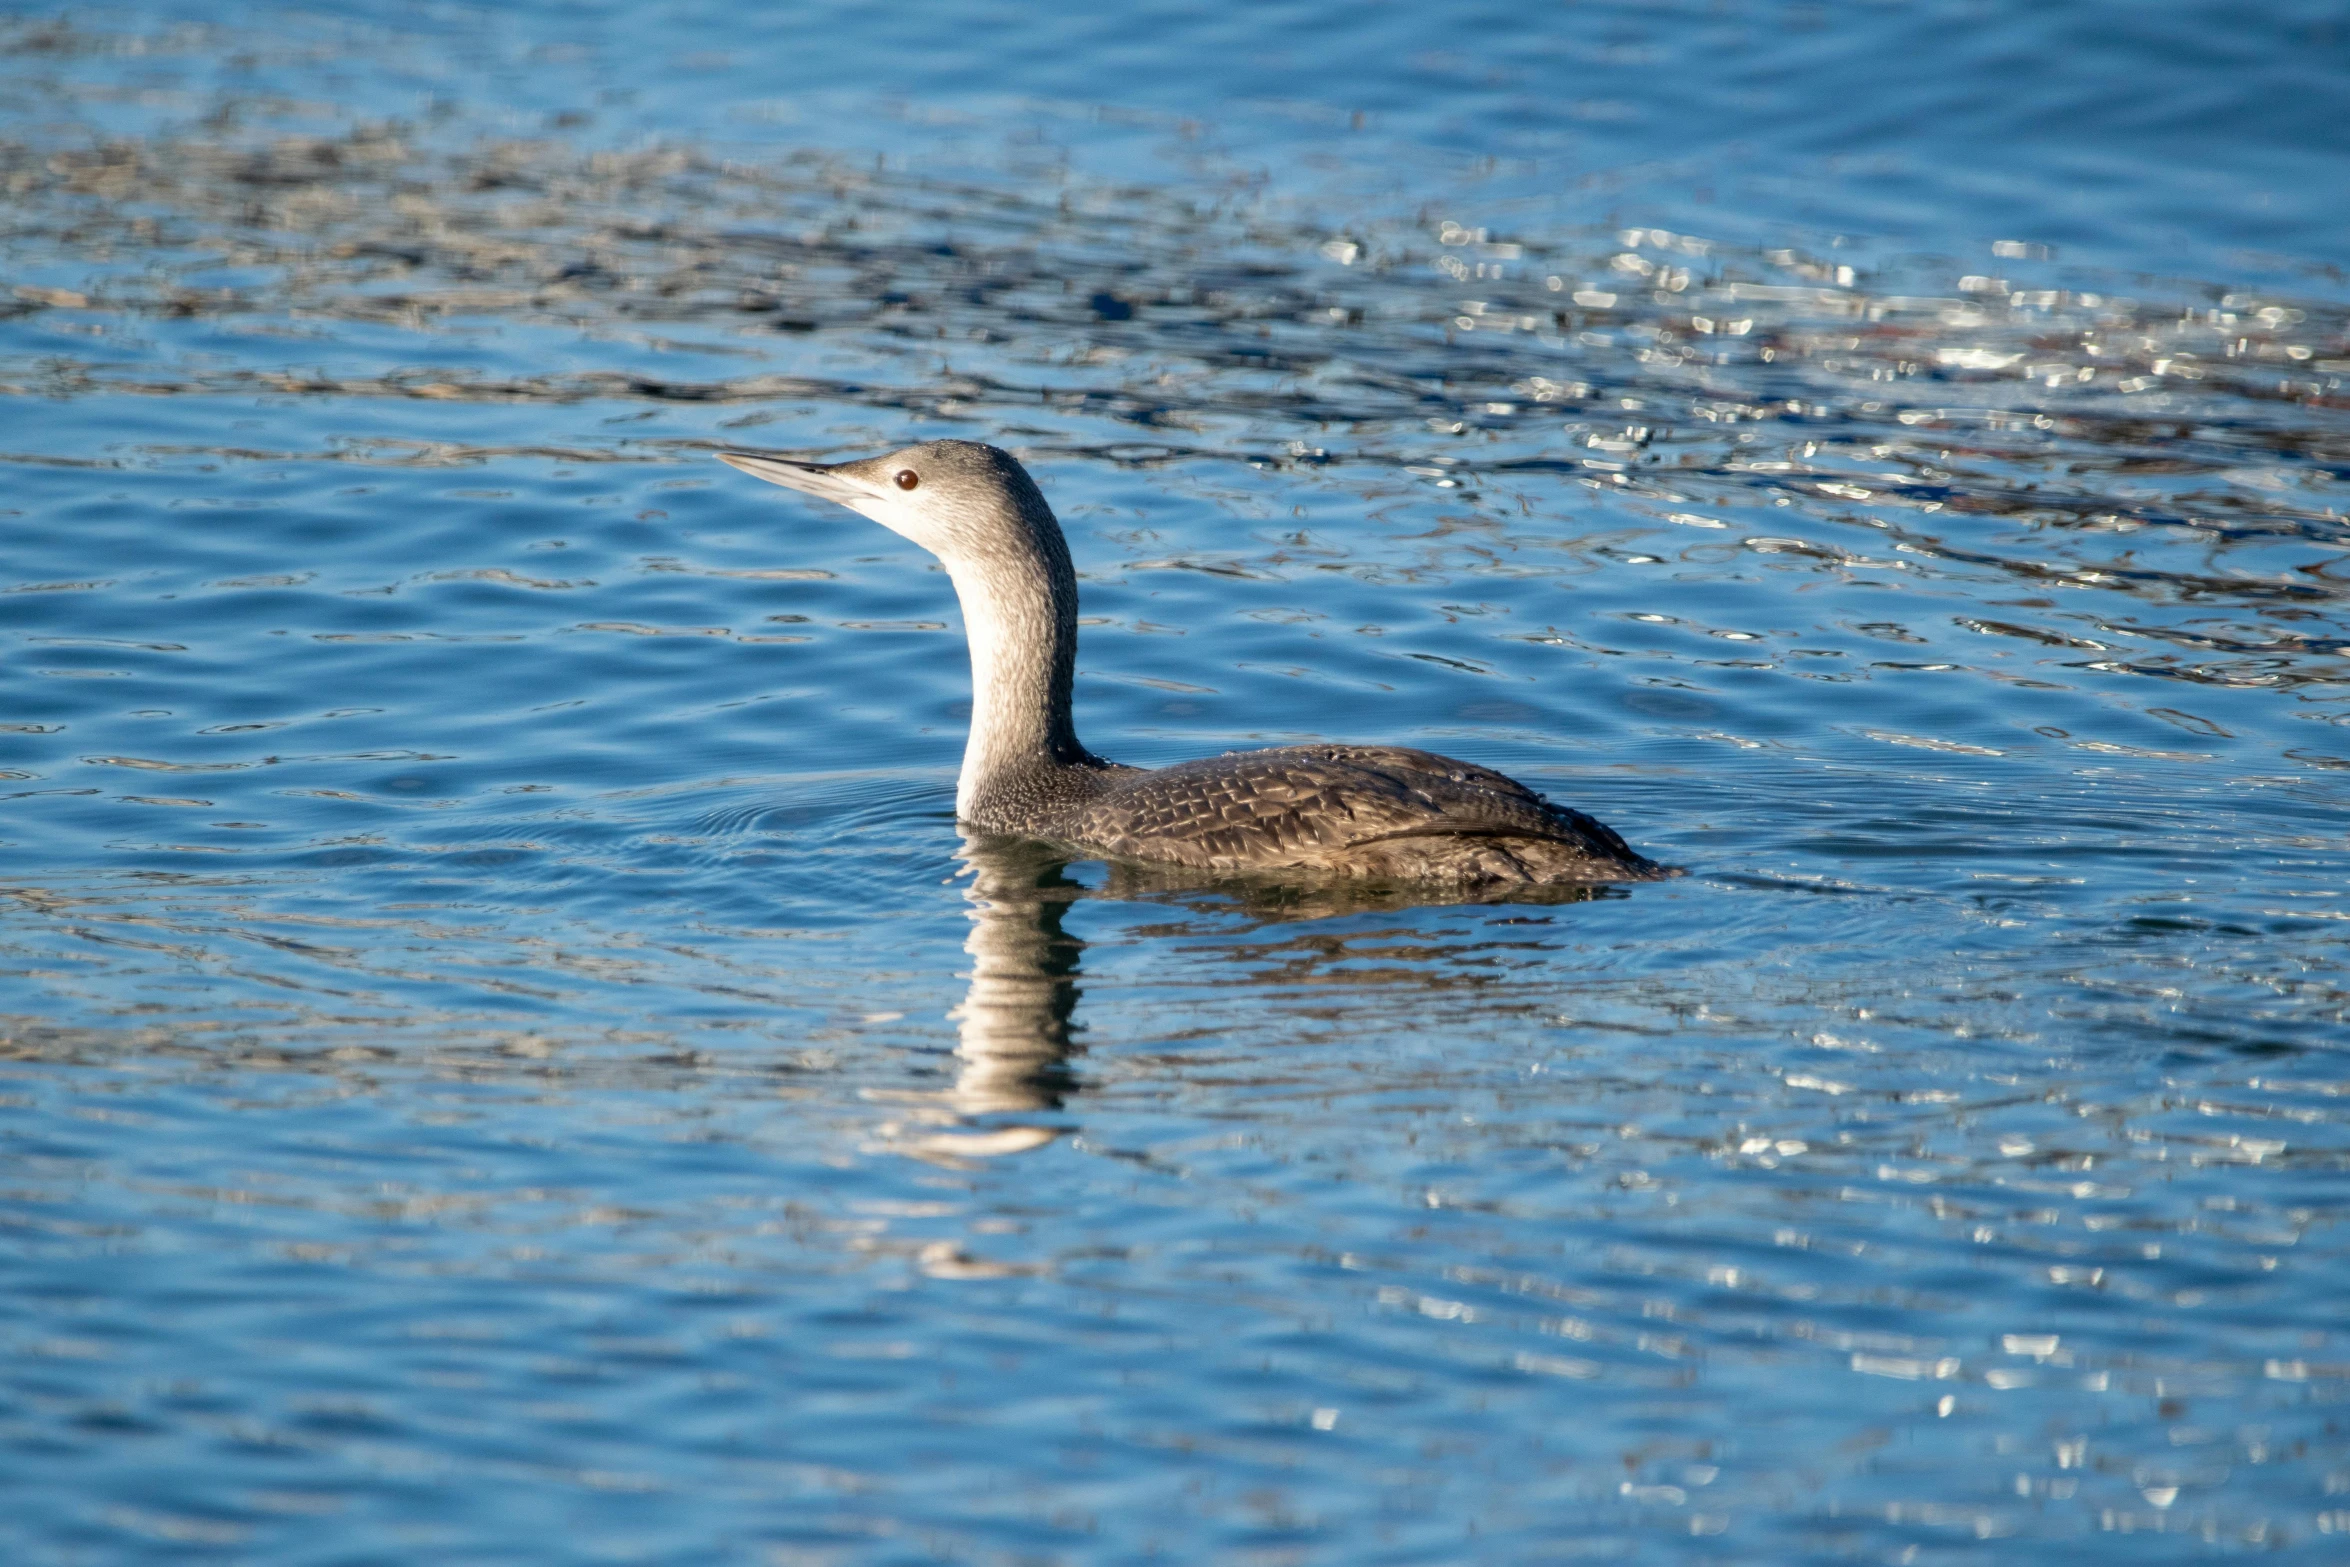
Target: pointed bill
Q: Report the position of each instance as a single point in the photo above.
(827, 481)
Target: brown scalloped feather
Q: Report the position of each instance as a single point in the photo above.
(1378, 813)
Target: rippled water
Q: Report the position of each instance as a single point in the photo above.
(507, 1057)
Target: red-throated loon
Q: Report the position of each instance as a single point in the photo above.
(1370, 812)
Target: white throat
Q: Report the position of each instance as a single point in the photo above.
(1022, 627)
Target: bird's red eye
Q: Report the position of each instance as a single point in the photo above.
(908, 478)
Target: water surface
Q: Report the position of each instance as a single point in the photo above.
(508, 1057)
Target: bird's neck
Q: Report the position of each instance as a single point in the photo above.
(1020, 613)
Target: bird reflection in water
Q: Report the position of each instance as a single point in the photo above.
(1012, 1030)
(1015, 1027)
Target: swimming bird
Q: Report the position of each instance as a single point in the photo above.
(1370, 813)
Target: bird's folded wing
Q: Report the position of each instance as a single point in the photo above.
(1310, 801)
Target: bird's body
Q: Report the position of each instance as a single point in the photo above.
(1372, 813)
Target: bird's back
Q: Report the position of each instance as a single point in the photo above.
(1372, 812)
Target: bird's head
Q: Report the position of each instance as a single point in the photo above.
(956, 499)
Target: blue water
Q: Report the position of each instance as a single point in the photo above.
(504, 1055)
